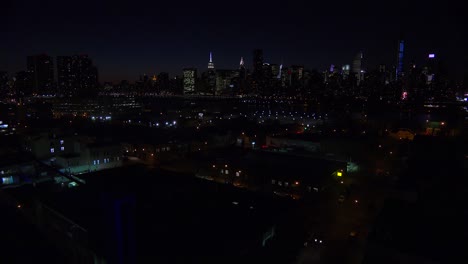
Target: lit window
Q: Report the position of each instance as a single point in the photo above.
(222, 171)
(52, 150)
(94, 162)
(98, 162)
(227, 171)
(61, 142)
(62, 148)
(286, 184)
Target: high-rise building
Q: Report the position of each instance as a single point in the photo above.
(275, 70)
(162, 81)
(345, 71)
(210, 77)
(297, 72)
(23, 83)
(76, 75)
(399, 68)
(211, 63)
(41, 68)
(357, 67)
(258, 62)
(189, 78)
(242, 80)
(226, 81)
(3, 83)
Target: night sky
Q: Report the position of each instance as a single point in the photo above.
(126, 40)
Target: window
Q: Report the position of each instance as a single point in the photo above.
(62, 148)
(98, 162)
(227, 171)
(52, 150)
(273, 181)
(286, 184)
(61, 142)
(94, 162)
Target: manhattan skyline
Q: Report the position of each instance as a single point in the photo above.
(127, 40)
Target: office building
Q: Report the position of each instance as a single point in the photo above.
(399, 68)
(357, 67)
(345, 71)
(226, 81)
(23, 84)
(41, 69)
(258, 63)
(189, 79)
(76, 75)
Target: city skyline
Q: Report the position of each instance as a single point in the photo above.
(128, 40)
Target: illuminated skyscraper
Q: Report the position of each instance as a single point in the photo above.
(242, 70)
(210, 76)
(399, 68)
(189, 77)
(41, 68)
(210, 63)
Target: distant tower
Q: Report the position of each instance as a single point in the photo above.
(357, 67)
(210, 63)
(242, 70)
(279, 72)
(399, 68)
(242, 77)
(258, 62)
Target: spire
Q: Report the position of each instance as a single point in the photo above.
(241, 64)
(210, 63)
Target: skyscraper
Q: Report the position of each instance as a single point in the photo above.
(210, 63)
(189, 77)
(357, 67)
(76, 75)
(257, 62)
(242, 70)
(399, 68)
(242, 77)
(41, 68)
(210, 77)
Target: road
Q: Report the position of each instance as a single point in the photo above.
(336, 220)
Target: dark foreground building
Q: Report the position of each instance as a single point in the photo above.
(132, 215)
